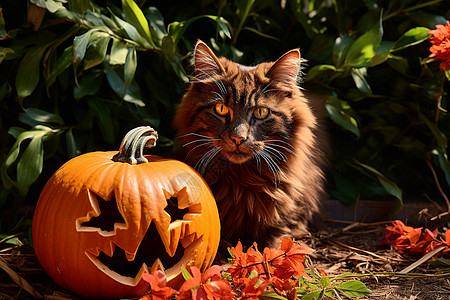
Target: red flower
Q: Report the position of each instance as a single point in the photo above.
(209, 286)
(440, 38)
(159, 290)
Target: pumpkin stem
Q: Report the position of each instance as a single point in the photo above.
(132, 147)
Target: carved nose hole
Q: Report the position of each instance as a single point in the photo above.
(238, 139)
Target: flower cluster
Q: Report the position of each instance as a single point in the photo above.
(440, 50)
(415, 241)
(252, 273)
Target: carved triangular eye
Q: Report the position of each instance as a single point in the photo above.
(109, 214)
(173, 210)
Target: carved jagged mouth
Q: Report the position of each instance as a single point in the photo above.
(150, 256)
(127, 268)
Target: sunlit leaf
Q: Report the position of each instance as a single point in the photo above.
(35, 116)
(28, 74)
(157, 26)
(412, 37)
(29, 165)
(318, 70)
(119, 52)
(80, 44)
(3, 33)
(365, 47)
(96, 52)
(130, 67)
(132, 32)
(134, 15)
(341, 117)
(316, 295)
(359, 77)
(443, 161)
(354, 288)
(340, 49)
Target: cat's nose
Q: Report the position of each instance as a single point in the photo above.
(238, 139)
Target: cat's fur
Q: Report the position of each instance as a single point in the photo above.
(266, 174)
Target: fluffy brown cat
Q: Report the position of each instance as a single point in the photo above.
(253, 135)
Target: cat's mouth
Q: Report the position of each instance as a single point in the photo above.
(238, 156)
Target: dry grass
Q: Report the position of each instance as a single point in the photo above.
(348, 249)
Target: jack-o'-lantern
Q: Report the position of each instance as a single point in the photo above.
(104, 219)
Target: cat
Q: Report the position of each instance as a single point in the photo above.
(254, 136)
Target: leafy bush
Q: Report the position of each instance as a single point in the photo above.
(77, 75)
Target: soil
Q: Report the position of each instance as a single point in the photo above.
(352, 247)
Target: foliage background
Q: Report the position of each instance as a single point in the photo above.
(76, 75)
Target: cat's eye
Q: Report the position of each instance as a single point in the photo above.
(221, 109)
(261, 112)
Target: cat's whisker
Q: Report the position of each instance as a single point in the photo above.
(283, 147)
(196, 134)
(201, 145)
(200, 140)
(276, 153)
(257, 157)
(206, 159)
(272, 165)
(281, 141)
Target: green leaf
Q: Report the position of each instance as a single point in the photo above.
(104, 118)
(412, 37)
(30, 164)
(340, 116)
(134, 15)
(72, 150)
(271, 296)
(64, 61)
(116, 82)
(354, 288)
(389, 186)
(440, 137)
(119, 52)
(96, 52)
(6, 53)
(129, 68)
(35, 116)
(359, 77)
(3, 33)
(325, 281)
(364, 48)
(443, 162)
(157, 26)
(256, 31)
(318, 70)
(80, 44)
(27, 77)
(316, 295)
(383, 53)
(132, 32)
(80, 6)
(185, 273)
(340, 49)
(89, 85)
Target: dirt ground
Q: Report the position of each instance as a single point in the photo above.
(349, 248)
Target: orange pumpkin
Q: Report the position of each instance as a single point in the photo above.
(101, 222)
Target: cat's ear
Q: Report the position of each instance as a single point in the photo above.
(206, 62)
(287, 68)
